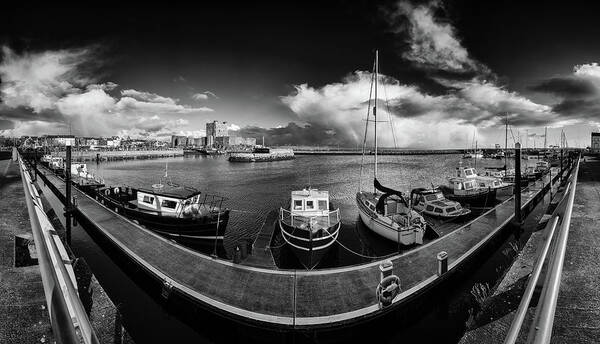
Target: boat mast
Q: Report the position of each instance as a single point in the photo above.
(475, 156)
(505, 143)
(375, 111)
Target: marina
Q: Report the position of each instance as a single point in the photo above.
(292, 306)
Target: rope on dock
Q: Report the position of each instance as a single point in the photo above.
(356, 253)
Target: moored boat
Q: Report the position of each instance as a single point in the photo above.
(433, 203)
(388, 213)
(310, 227)
(463, 188)
(174, 211)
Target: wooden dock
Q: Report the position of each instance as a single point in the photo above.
(261, 248)
(289, 299)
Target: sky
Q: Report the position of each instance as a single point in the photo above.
(451, 72)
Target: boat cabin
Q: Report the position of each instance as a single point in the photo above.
(56, 162)
(465, 172)
(309, 202)
(489, 182)
(79, 169)
(167, 200)
(494, 173)
(542, 166)
(434, 202)
(461, 184)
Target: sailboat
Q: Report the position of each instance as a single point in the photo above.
(388, 214)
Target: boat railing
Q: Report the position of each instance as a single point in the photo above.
(289, 218)
(68, 318)
(558, 232)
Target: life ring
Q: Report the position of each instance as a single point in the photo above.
(116, 190)
(387, 290)
(107, 192)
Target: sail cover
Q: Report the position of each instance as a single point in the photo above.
(387, 192)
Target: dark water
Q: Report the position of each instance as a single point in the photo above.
(254, 190)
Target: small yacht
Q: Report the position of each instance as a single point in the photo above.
(502, 189)
(463, 188)
(432, 202)
(387, 213)
(309, 227)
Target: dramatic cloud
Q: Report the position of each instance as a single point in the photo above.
(39, 90)
(578, 95)
(433, 44)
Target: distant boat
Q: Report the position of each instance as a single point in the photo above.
(388, 214)
(433, 203)
(309, 226)
(262, 154)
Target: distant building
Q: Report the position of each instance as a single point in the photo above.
(59, 140)
(215, 129)
(595, 147)
(178, 141)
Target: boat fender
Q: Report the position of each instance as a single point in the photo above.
(116, 190)
(107, 192)
(387, 290)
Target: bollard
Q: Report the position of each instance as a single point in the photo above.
(517, 218)
(73, 207)
(385, 268)
(237, 255)
(442, 259)
(166, 289)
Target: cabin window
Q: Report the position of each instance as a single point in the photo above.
(438, 210)
(148, 199)
(168, 204)
(429, 208)
(482, 185)
(323, 205)
(297, 204)
(468, 186)
(449, 210)
(431, 197)
(310, 205)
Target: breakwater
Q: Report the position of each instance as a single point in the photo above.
(122, 155)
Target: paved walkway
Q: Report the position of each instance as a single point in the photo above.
(577, 318)
(23, 314)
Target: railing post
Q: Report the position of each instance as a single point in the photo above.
(442, 259)
(517, 218)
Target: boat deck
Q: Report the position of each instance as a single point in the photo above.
(291, 298)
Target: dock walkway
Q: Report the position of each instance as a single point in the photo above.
(292, 298)
(261, 248)
(577, 318)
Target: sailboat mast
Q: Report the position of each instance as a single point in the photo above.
(505, 143)
(375, 108)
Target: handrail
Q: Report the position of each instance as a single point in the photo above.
(70, 323)
(541, 328)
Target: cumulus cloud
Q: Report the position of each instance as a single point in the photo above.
(433, 44)
(578, 94)
(50, 91)
(204, 95)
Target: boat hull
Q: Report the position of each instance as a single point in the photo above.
(505, 191)
(309, 251)
(188, 230)
(408, 236)
(485, 198)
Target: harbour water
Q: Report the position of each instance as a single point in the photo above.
(255, 190)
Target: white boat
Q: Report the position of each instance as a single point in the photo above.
(542, 166)
(433, 203)
(489, 181)
(463, 188)
(309, 227)
(388, 213)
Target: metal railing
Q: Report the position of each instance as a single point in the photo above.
(69, 321)
(541, 328)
